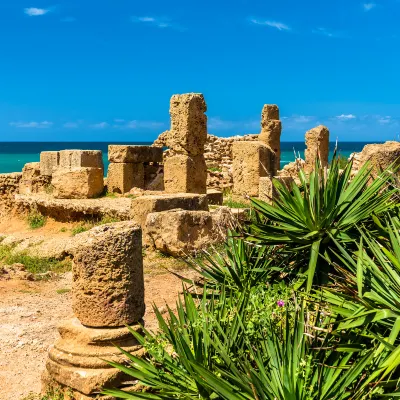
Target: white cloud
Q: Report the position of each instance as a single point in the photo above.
(35, 12)
(346, 117)
(70, 125)
(100, 125)
(369, 6)
(135, 124)
(159, 22)
(273, 24)
(32, 124)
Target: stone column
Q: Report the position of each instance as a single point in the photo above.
(317, 142)
(271, 129)
(108, 293)
(185, 169)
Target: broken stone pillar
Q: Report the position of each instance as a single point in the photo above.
(251, 161)
(127, 166)
(185, 170)
(108, 293)
(271, 129)
(78, 183)
(317, 142)
(49, 162)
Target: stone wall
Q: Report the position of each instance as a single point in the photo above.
(9, 186)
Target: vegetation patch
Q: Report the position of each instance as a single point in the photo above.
(215, 169)
(85, 226)
(36, 220)
(35, 265)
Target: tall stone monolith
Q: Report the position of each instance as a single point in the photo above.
(317, 142)
(185, 169)
(107, 295)
(271, 129)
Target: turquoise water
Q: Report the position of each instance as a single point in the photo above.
(14, 155)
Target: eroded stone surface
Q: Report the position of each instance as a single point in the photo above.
(271, 129)
(317, 142)
(267, 189)
(144, 205)
(185, 174)
(31, 181)
(108, 288)
(122, 177)
(379, 156)
(134, 154)
(215, 197)
(188, 132)
(179, 232)
(78, 183)
(251, 160)
(49, 162)
(81, 158)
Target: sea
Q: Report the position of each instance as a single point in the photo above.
(14, 155)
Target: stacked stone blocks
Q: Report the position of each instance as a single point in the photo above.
(185, 170)
(127, 166)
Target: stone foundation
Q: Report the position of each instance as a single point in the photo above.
(122, 177)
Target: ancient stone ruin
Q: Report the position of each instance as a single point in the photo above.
(185, 169)
(317, 142)
(108, 294)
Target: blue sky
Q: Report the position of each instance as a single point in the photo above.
(105, 71)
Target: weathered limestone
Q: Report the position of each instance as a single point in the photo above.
(49, 162)
(271, 129)
(215, 197)
(188, 133)
(108, 292)
(179, 232)
(122, 177)
(379, 156)
(81, 158)
(185, 169)
(134, 154)
(317, 142)
(78, 183)
(108, 277)
(251, 160)
(185, 174)
(31, 180)
(128, 165)
(267, 190)
(144, 205)
(9, 186)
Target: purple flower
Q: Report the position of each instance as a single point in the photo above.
(280, 303)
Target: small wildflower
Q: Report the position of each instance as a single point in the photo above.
(280, 303)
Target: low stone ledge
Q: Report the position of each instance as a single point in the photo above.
(67, 210)
(134, 154)
(144, 205)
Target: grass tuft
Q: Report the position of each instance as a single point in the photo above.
(85, 226)
(36, 220)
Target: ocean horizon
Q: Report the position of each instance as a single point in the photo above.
(14, 155)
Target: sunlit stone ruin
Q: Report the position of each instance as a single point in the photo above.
(170, 197)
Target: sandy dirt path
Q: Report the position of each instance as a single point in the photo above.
(30, 313)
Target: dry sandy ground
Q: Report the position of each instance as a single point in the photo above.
(30, 313)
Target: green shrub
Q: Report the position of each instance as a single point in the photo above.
(215, 169)
(327, 208)
(83, 227)
(232, 203)
(36, 220)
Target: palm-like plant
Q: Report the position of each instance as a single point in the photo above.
(328, 207)
(367, 292)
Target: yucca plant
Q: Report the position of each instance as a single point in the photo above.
(366, 292)
(238, 266)
(205, 353)
(328, 206)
